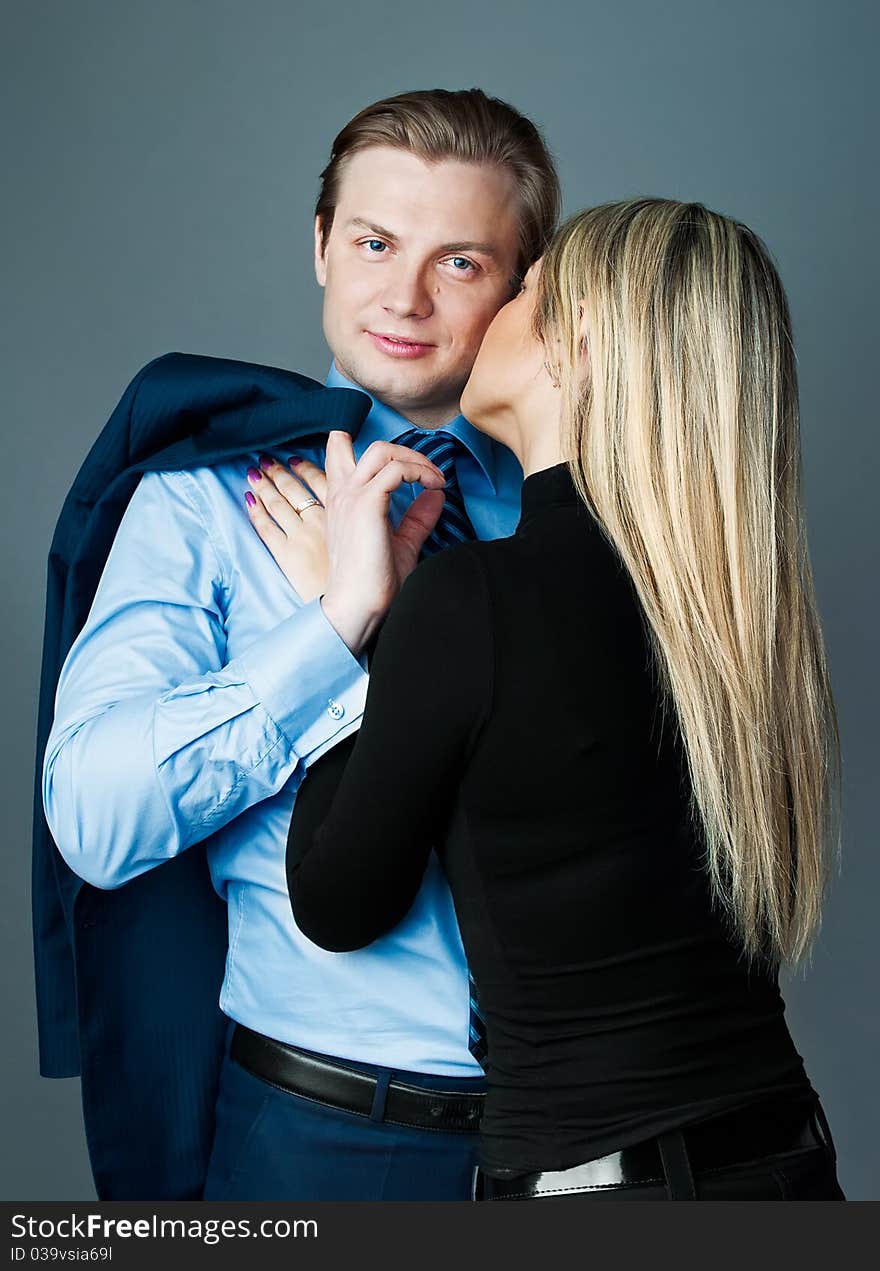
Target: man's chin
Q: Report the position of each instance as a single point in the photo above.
(403, 386)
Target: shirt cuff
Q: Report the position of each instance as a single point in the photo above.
(307, 679)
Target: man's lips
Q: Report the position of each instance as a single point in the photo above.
(399, 345)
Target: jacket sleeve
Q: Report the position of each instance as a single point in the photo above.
(157, 739)
(370, 812)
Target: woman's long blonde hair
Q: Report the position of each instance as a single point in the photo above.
(672, 336)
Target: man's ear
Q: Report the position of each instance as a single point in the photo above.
(320, 254)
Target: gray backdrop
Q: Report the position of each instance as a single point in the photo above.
(161, 169)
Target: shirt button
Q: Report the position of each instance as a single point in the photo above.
(334, 710)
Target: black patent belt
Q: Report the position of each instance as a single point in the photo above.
(324, 1081)
(737, 1138)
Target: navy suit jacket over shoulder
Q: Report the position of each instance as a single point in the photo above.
(127, 981)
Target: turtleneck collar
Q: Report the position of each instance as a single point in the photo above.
(548, 488)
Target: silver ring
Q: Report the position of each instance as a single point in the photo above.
(309, 503)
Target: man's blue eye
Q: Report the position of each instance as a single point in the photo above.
(377, 244)
(459, 261)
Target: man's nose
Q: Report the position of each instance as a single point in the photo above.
(407, 294)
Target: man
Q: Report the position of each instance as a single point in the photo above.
(202, 686)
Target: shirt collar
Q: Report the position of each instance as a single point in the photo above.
(384, 424)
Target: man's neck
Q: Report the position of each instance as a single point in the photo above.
(426, 417)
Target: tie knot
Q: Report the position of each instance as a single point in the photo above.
(440, 447)
(454, 525)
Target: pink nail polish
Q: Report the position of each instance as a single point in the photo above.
(249, 499)
(254, 474)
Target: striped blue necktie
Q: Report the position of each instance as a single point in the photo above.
(453, 527)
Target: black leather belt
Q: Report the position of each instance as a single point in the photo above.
(302, 1073)
(736, 1138)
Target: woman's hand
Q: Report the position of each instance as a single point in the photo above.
(297, 540)
(368, 558)
(349, 553)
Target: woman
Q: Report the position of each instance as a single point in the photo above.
(626, 753)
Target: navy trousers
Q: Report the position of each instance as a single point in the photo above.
(273, 1145)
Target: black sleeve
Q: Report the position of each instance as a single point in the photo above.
(369, 811)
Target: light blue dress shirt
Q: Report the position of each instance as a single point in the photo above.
(190, 707)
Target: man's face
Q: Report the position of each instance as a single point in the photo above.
(419, 259)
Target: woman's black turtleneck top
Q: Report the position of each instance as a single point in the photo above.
(514, 724)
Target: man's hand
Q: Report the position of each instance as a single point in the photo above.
(368, 559)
